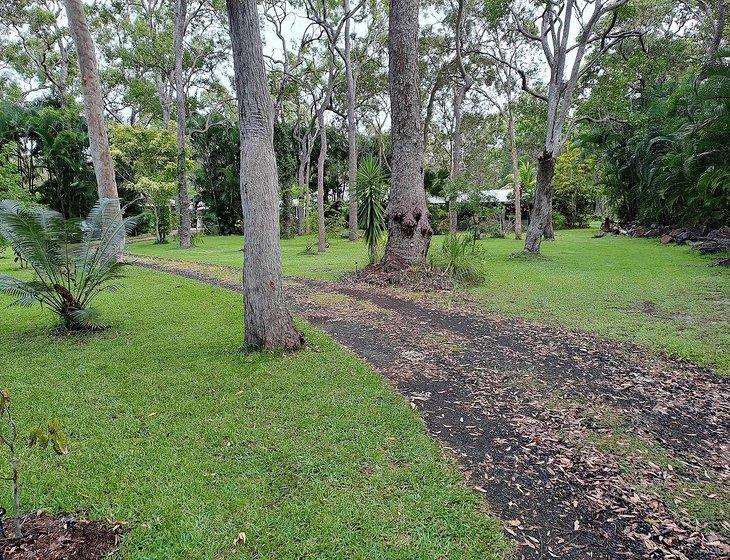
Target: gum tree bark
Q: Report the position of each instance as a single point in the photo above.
(409, 230)
(268, 324)
(516, 179)
(183, 199)
(456, 148)
(321, 231)
(569, 56)
(718, 31)
(351, 131)
(106, 184)
(542, 208)
(466, 82)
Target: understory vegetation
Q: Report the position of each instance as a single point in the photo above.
(192, 443)
(72, 264)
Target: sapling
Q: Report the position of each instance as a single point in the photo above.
(43, 436)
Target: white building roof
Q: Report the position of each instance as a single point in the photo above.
(501, 195)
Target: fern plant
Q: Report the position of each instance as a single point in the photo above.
(71, 267)
(371, 190)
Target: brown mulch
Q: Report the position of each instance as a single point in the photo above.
(46, 537)
(424, 279)
(584, 447)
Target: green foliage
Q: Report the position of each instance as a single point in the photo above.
(55, 144)
(216, 175)
(146, 160)
(43, 436)
(68, 275)
(671, 163)
(576, 188)
(460, 258)
(371, 195)
(10, 180)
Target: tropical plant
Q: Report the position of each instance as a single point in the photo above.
(371, 190)
(459, 257)
(670, 162)
(528, 176)
(72, 263)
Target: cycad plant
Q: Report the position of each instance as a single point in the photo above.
(72, 263)
(371, 191)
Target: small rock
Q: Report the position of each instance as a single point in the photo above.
(666, 239)
(720, 233)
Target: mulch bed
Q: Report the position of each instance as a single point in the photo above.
(46, 537)
(585, 448)
(423, 279)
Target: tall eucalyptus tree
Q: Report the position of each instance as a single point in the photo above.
(572, 35)
(106, 183)
(267, 322)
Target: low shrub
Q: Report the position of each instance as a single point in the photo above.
(73, 262)
(460, 258)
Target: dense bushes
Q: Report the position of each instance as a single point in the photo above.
(670, 163)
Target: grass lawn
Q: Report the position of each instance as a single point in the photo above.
(665, 297)
(312, 455)
(341, 256)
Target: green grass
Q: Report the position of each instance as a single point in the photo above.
(341, 256)
(667, 298)
(171, 429)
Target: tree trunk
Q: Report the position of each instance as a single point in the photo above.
(303, 153)
(456, 155)
(549, 233)
(453, 216)
(351, 131)
(409, 230)
(516, 179)
(183, 200)
(165, 102)
(543, 199)
(106, 184)
(321, 233)
(268, 324)
(308, 195)
(718, 31)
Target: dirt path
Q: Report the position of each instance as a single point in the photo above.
(584, 448)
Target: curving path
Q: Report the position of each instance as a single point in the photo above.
(585, 448)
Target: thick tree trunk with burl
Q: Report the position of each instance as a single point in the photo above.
(543, 201)
(183, 199)
(101, 157)
(268, 324)
(409, 230)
